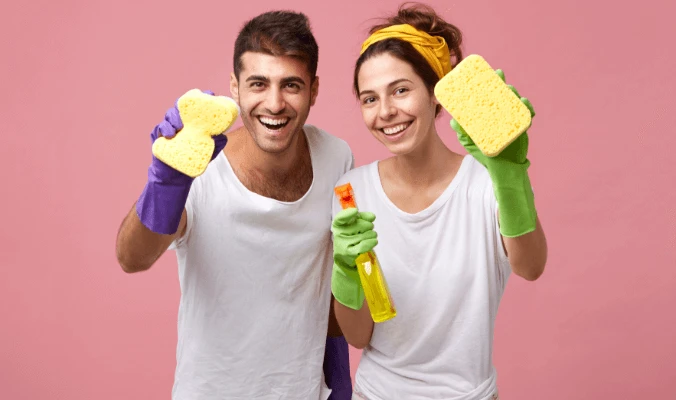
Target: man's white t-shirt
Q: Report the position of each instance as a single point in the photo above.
(255, 277)
(447, 270)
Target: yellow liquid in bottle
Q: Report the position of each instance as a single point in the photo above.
(372, 279)
(376, 290)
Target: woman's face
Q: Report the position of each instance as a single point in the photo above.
(396, 105)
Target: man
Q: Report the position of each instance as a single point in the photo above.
(252, 234)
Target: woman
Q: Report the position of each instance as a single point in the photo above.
(445, 250)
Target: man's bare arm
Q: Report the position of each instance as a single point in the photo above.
(137, 247)
(334, 329)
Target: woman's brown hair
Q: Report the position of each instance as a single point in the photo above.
(423, 18)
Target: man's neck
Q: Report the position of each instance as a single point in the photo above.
(284, 176)
(274, 165)
(252, 163)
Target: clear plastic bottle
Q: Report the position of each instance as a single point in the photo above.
(376, 291)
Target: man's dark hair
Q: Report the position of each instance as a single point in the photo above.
(278, 33)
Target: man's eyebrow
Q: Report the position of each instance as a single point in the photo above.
(257, 78)
(293, 79)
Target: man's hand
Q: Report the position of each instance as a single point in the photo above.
(163, 199)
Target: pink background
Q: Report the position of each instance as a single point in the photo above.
(84, 82)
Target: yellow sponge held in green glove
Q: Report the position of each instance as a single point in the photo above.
(203, 116)
(483, 105)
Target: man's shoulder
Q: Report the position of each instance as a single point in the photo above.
(325, 139)
(358, 174)
(328, 150)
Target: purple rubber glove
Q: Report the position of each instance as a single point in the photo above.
(163, 199)
(337, 368)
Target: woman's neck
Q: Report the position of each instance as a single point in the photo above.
(429, 164)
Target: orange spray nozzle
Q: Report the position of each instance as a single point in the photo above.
(345, 195)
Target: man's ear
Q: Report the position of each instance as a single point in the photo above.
(234, 87)
(314, 91)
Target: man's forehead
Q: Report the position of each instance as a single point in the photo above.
(273, 67)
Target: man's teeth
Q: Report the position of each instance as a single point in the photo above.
(273, 121)
(395, 129)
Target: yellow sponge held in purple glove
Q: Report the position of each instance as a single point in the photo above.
(203, 116)
(480, 101)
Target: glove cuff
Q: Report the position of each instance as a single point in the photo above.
(162, 201)
(346, 286)
(516, 203)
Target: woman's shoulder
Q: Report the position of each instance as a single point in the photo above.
(476, 177)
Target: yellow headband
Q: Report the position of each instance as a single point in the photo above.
(432, 48)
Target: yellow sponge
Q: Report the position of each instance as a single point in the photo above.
(491, 114)
(203, 116)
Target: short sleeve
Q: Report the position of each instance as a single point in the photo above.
(504, 268)
(190, 211)
(349, 164)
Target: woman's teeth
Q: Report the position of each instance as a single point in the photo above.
(393, 130)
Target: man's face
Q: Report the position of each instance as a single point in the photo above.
(274, 95)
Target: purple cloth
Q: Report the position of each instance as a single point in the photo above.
(337, 368)
(161, 204)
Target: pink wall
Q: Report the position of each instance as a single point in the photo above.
(83, 83)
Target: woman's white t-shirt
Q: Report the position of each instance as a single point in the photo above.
(447, 270)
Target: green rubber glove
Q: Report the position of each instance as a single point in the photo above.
(353, 235)
(508, 172)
